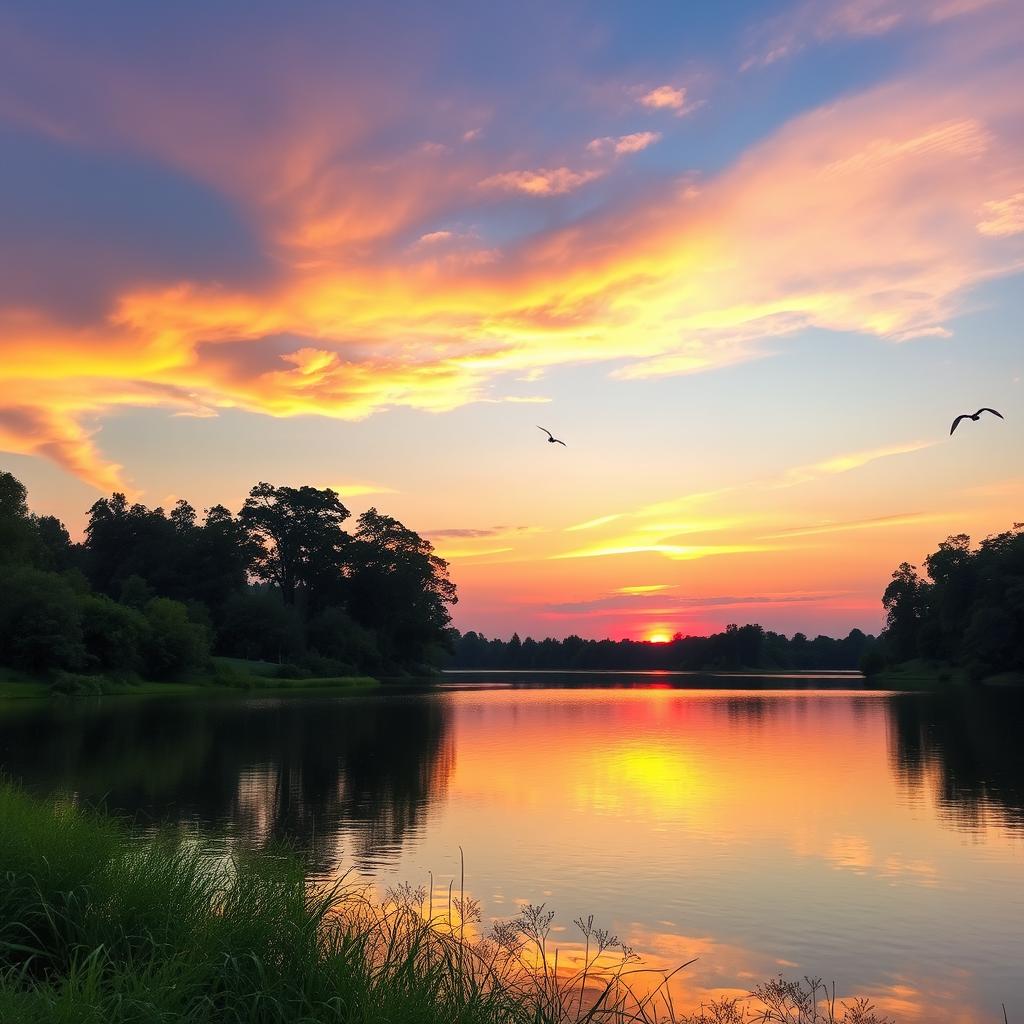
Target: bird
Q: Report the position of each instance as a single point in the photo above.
(551, 438)
(974, 416)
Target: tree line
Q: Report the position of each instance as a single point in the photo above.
(737, 648)
(966, 609)
(155, 593)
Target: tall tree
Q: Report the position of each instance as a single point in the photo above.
(298, 538)
(18, 538)
(399, 587)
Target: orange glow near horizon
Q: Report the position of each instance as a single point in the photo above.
(659, 635)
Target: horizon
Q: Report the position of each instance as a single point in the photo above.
(749, 263)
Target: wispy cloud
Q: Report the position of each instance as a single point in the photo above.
(878, 522)
(812, 22)
(345, 318)
(675, 552)
(1003, 217)
(470, 532)
(850, 461)
(624, 143)
(591, 524)
(645, 588)
(544, 182)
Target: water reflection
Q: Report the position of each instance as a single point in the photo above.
(967, 743)
(261, 771)
(811, 831)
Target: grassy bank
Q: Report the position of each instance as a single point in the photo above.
(918, 675)
(227, 676)
(97, 925)
(929, 675)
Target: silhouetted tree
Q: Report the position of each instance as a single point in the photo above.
(399, 588)
(298, 536)
(902, 602)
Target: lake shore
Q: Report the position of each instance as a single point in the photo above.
(935, 676)
(105, 924)
(228, 677)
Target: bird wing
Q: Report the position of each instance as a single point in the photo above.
(545, 429)
(956, 422)
(562, 443)
(994, 412)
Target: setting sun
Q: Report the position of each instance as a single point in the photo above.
(658, 636)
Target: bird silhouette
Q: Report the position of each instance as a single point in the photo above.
(551, 438)
(973, 416)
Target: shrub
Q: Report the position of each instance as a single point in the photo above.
(114, 634)
(173, 644)
(40, 622)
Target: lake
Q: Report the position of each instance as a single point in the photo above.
(796, 825)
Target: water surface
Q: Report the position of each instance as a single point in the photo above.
(873, 838)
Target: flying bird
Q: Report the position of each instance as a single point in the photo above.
(551, 438)
(974, 416)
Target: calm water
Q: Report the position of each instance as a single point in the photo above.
(873, 838)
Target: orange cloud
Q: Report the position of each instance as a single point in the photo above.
(677, 280)
(1003, 217)
(624, 143)
(665, 97)
(555, 182)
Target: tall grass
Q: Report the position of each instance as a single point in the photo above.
(98, 925)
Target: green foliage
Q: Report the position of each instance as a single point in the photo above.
(114, 634)
(968, 612)
(872, 661)
(333, 603)
(257, 625)
(173, 644)
(40, 622)
(398, 588)
(297, 536)
(334, 634)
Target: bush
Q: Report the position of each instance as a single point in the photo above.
(40, 622)
(335, 636)
(872, 661)
(114, 635)
(173, 644)
(259, 626)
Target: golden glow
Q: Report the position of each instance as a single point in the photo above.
(658, 635)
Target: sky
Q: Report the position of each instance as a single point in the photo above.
(747, 259)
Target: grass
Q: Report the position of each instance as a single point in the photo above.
(98, 926)
(228, 676)
(918, 675)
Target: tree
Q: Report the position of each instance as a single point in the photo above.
(18, 537)
(114, 635)
(40, 622)
(399, 587)
(903, 602)
(173, 644)
(297, 534)
(258, 625)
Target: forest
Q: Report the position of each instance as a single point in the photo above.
(154, 594)
(735, 649)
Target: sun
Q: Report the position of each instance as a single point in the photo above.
(658, 636)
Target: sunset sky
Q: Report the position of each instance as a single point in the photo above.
(748, 260)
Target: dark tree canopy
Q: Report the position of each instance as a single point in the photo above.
(152, 592)
(968, 610)
(298, 539)
(737, 648)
